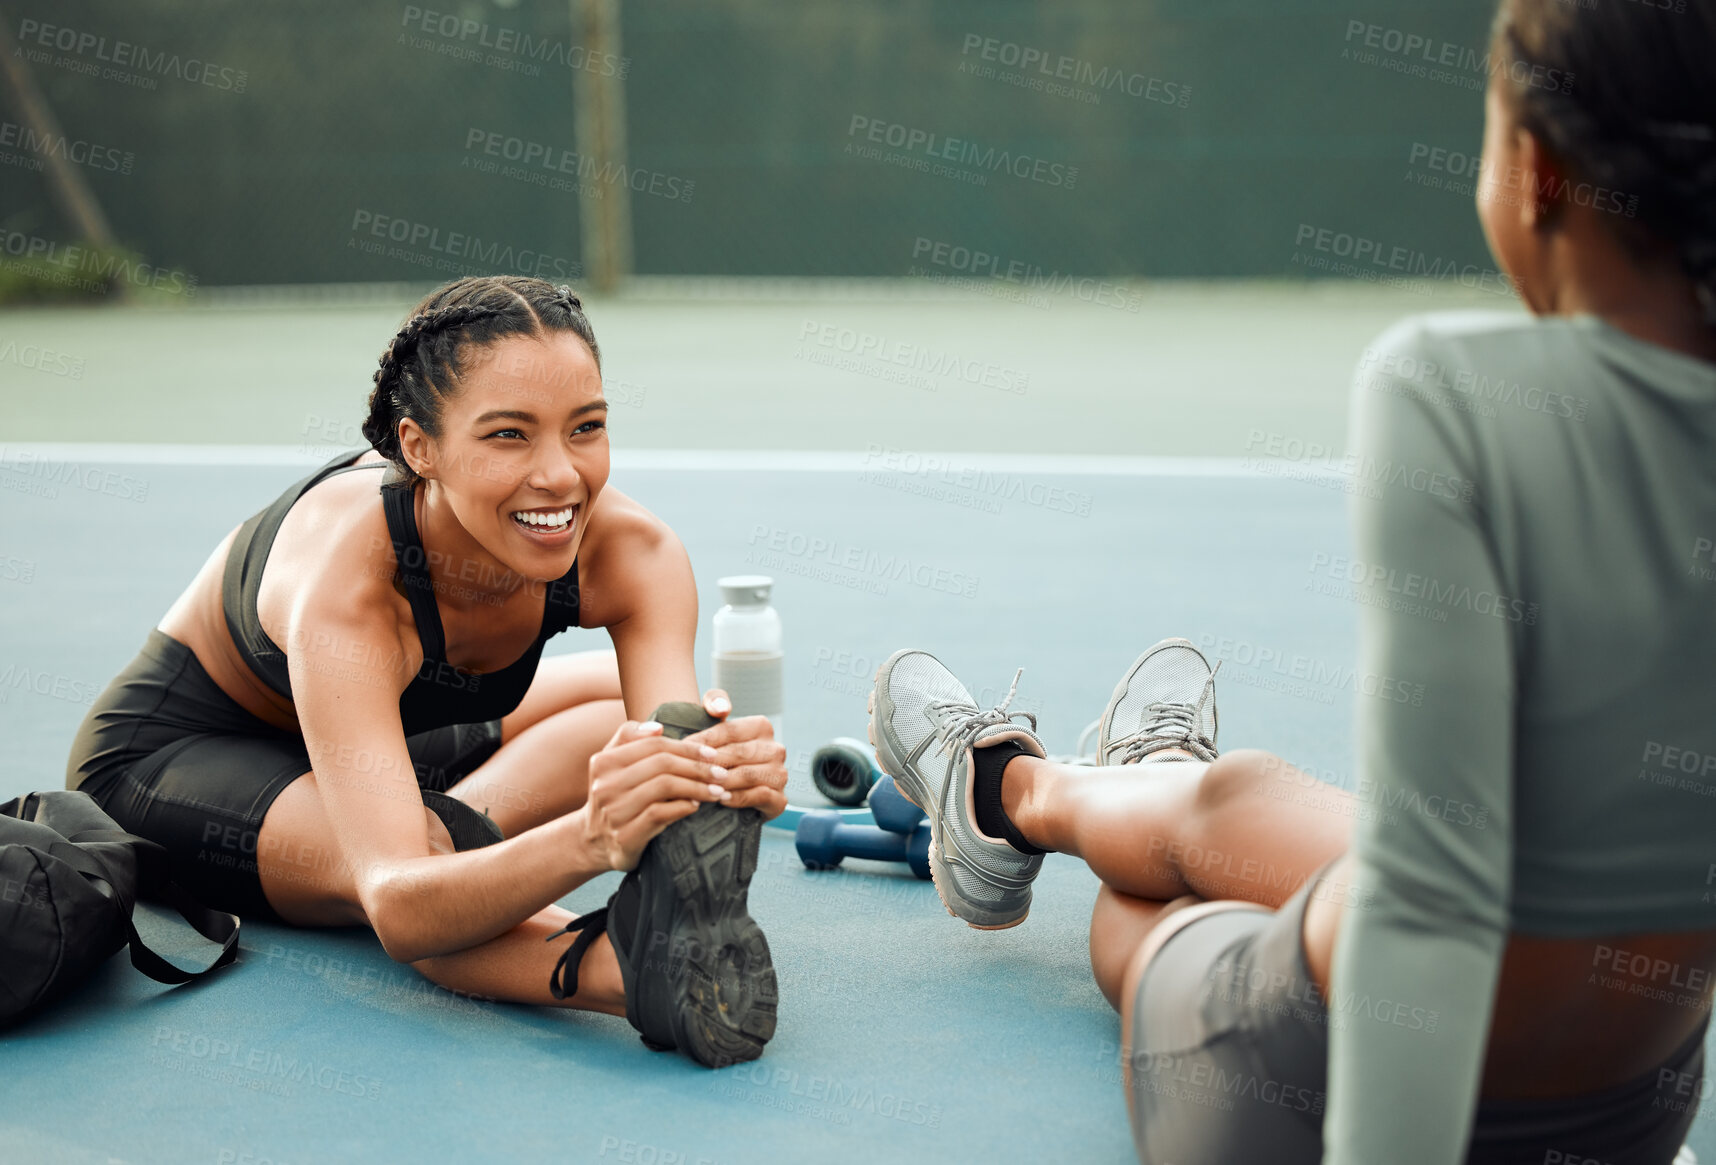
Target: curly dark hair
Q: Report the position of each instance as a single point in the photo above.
(425, 359)
(1636, 111)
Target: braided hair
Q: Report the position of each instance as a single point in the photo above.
(427, 356)
(1636, 112)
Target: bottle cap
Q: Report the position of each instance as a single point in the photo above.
(745, 590)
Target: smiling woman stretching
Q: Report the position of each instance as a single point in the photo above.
(345, 718)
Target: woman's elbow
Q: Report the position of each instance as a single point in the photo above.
(393, 902)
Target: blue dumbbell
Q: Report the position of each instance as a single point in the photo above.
(823, 840)
(891, 809)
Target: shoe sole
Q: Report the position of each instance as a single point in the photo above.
(912, 790)
(1102, 734)
(717, 981)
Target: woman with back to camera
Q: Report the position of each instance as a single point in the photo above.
(1508, 958)
(345, 718)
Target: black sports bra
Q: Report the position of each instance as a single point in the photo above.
(441, 693)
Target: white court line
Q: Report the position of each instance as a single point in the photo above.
(692, 460)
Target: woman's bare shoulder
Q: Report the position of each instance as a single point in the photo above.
(629, 558)
(333, 557)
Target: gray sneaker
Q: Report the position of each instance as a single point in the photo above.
(917, 705)
(1165, 700)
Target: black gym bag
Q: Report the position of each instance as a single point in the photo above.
(69, 880)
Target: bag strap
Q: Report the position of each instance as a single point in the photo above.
(215, 925)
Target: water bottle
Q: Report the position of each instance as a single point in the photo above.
(747, 652)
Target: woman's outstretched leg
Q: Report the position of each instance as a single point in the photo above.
(308, 883)
(1167, 823)
(1247, 825)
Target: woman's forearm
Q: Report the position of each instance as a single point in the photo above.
(433, 905)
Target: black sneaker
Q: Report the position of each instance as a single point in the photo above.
(696, 968)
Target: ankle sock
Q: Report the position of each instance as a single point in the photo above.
(990, 762)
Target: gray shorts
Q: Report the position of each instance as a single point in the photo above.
(1230, 1062)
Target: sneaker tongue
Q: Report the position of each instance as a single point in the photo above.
(623, 910)
(623, 920)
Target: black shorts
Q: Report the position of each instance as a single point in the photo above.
(173, 758)
(1230, 1062)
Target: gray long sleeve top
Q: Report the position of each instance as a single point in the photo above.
(1543, 562)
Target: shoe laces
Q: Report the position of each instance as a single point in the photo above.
(962, 722)
(1171, 724)
(563, 980)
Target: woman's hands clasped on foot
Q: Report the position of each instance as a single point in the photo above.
(755, 761)
(642, 780)
(640, 783)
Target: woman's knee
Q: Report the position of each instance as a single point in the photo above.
(1235, 778)
(303, 872)
(590, 675)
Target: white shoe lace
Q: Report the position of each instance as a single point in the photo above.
(961, 723)
(1169, 724)
(964, 722)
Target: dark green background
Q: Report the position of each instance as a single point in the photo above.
(752, 102)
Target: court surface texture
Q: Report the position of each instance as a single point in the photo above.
(904, 1035)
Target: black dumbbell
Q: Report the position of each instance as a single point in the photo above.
(823, 839)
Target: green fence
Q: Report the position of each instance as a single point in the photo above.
(336, 141)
